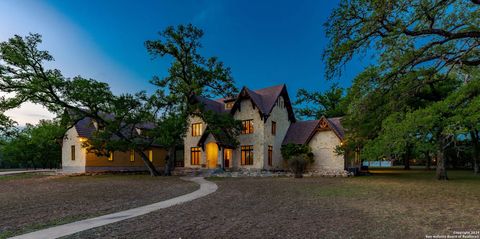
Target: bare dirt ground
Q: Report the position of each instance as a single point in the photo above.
(390, 204)
(29, 202)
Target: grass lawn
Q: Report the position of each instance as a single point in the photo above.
(32, 201)
(391, 203)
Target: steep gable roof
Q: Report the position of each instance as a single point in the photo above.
(265, 99)
(301, 132)
(222, 139)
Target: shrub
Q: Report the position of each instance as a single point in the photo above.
(298, 157)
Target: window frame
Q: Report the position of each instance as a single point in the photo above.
(197, 129)
(247, 130)
(246, 150)
(229, 105)
(132, 155)
(270, 155)
(274, 128)
(197, 151)
(72, 153)
(150, 155)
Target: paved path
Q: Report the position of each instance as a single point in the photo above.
(206, 188)
(26, 171)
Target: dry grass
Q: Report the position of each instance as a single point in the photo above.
(389, 204)
(32, 201)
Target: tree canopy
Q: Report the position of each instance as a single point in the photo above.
(424, 52)
(315, 104)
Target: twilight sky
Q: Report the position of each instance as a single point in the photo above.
(265, 43)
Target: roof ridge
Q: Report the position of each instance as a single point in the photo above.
(269, 87)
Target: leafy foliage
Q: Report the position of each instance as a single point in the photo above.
(315, 104)
(190, 75)
(34, 146)
(23, 75)
(423, 50)
(298, 157)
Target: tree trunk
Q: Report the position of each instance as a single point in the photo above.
(441, 166)
(476, 152)
(429, 161)
(406, 158)
(148, 164)
(170, 163)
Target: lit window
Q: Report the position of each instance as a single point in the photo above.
(229, 105)
(132, 155)
(247, 155)
(247, 127)
(110, 157)
(274, 127)
(195, 156)
(196, 129)
(72, 156)
(150, 155)
(270, 155)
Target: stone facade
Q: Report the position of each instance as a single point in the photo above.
(262, 107)
(260, 139)
(323, 145)
(323, 141)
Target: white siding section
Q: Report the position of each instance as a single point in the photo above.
(69, 165)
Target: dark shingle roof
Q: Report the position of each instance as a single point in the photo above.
(213, 105)
(301, 132)
(85, 127)
(264, 99)
(336, 124)
(269, 96)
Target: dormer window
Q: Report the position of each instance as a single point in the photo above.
(229, 105)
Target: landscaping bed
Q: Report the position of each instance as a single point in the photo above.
(29, 202)
(389, 204)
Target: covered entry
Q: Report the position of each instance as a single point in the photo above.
(212, 155)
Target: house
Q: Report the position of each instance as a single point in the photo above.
(76, 159)
(268, 123)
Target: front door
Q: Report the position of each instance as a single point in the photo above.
(227, 157)
(212, 155)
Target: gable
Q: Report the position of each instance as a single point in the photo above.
(265, 100)
(302, 132)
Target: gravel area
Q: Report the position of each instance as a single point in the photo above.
(31, 202)
(393, 206)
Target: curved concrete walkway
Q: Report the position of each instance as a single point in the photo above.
(27, 171)
(206, 188)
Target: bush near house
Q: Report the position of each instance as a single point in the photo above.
(298, 157)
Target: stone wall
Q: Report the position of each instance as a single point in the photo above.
(323, 146)
(279, 114)
(247, 111)
(192, 141)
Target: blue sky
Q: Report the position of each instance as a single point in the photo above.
(265, 43)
